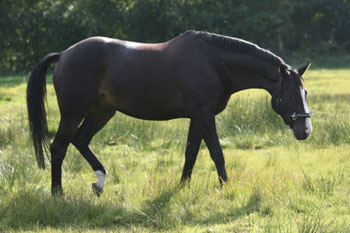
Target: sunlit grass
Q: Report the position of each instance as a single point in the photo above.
(277, 184)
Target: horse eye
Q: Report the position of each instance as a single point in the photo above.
(305, 93)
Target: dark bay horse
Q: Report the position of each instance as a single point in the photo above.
(191, 76)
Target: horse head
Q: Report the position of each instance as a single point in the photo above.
(289, 101)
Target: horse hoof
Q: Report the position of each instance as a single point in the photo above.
(96, 189)
(184, 183)
(57, 192)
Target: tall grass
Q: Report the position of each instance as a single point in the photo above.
(277, 184)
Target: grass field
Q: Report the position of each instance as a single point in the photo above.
(277, 184)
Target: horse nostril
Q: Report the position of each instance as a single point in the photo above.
(307, 130)
(308, 126)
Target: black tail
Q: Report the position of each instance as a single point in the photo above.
(36, 93)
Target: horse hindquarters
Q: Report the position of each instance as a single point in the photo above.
(76, 84)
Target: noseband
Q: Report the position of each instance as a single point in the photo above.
(279, 101)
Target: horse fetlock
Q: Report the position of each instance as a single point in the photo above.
(101, 178)
(98, 186)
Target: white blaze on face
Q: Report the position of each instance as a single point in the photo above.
(308, 126)
(101, 178)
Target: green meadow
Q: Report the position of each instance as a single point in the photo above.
(277, 184)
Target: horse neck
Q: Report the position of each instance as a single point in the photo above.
(244, 72)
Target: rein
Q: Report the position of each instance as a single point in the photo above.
(279, 101)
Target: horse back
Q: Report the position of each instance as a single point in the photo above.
(148, 81)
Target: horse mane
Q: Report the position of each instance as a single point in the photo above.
(238, 46)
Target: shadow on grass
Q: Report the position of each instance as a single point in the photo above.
(159, 214)
(253, 205)
(157, 210)
(33, 210)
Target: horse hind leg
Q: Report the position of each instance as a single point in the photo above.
(93, 123)
(58, 149)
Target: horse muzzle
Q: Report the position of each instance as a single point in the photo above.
(302, 128)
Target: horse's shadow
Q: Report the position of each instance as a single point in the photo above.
(253, 205)
(156, 209)
(29, 210)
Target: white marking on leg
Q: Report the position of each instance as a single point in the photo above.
(101, 178)
(308, 125)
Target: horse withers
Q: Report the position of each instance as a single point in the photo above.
(191, 76)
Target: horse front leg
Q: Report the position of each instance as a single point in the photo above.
(206, 124)
(194, 140)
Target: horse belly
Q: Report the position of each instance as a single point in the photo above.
(148, 104)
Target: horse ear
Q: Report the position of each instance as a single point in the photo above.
(303, 69)
(284, 70)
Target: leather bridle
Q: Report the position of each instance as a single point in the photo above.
(279, 102)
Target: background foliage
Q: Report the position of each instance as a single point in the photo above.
(32, 28)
